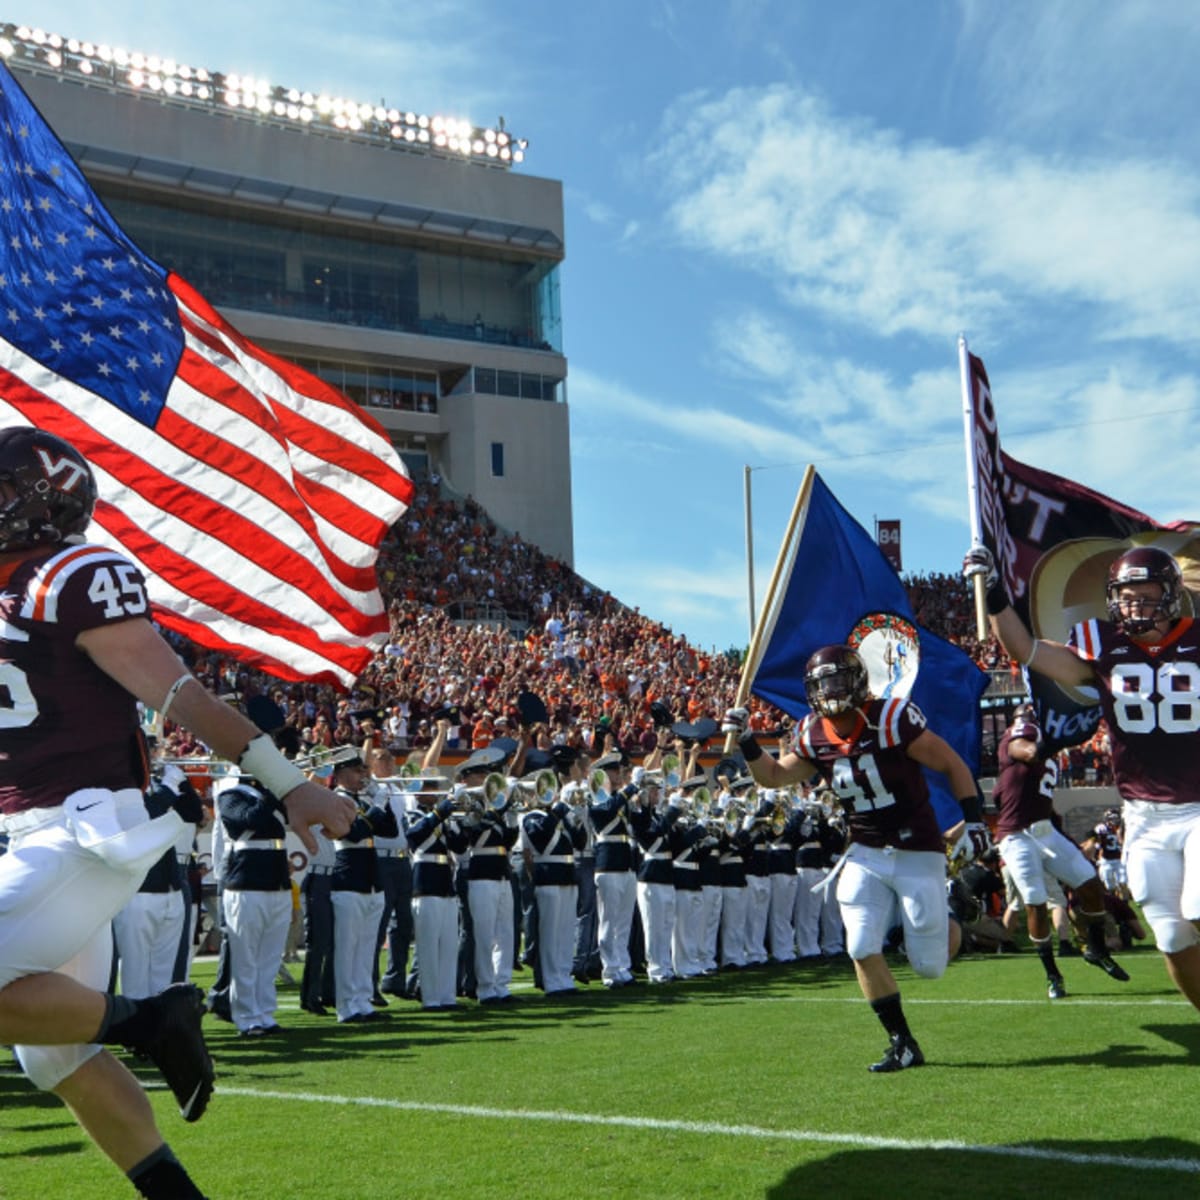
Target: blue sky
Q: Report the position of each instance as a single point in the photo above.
(780, 215)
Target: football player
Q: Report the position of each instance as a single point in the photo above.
(77, 651)
(1034, 848)
(870, 752)
(1105, 846)
(1145, 663)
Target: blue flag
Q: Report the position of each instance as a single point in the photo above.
(836, 586)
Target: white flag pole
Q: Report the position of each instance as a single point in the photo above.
(968, 401)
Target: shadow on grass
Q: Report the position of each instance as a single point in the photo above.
(1119, 1055)
(1065, 1170)
(20, 1100)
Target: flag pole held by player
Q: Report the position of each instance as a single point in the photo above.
(766, 616)
(980, 584)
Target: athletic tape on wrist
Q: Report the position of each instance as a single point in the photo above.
(262, 760)
(972, 807)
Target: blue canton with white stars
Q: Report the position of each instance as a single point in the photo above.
(75, 293)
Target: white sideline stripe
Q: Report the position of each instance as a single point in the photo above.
(708, 1128)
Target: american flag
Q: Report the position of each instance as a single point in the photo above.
(253, 495)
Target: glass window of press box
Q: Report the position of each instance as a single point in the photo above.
(323, 272)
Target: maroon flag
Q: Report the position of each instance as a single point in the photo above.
(887, 536)
(252, 494)
(1054, 540)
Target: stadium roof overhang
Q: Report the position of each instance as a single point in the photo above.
(261, 192)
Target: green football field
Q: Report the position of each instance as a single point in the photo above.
(744, 1085)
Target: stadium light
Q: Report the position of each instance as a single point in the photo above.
(247, 98)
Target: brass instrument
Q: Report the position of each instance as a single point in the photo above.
(733, 816)
(490, 797)
(670, 770)
(534, 791)
(781, 813)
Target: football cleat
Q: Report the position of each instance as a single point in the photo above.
(1056, 989)
(176, 1047)
(901, 1054)
(1107, 964)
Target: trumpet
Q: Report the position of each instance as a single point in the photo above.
(535, 790)
(593, 790)
(490, 797)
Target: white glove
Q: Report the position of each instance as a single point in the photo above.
(737, 721)
(173, 776)
(979, 560)
(637, 775)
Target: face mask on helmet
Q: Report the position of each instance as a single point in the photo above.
(835, 681)
(1146, 564)
(47, 490)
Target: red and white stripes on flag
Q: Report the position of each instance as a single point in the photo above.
(255, 503)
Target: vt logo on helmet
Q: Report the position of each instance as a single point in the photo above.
(47, 490)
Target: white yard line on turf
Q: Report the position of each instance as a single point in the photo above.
(1189, 1166)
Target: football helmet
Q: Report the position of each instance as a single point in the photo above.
(47, 489)
(1112, 818)
(1145, 564)
(835, 681)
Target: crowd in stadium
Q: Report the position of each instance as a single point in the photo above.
(479, 615)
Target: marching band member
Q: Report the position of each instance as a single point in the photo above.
(810, 874)
(433, 835)
(357, 893)
(258, 902)
(611, 821)
(735, 896)
(316, 983)
(395, 870)
(552, 836)
(659, 841)
(781, 865)
(153, 931)
(489, 891)
(687, 958)
(708, 852)
(758, 883)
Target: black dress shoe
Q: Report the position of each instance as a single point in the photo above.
(378, 1001)
(317, 1010)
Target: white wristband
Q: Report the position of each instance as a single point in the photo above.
(262, 760)
(173, 691)
(1032, 651)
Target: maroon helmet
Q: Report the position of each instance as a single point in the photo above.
(48, 490)
(835, 681)
(1145, 564)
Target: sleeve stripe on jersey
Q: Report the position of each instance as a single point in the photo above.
(41, 597)
(1087, 638)
(803, 739)
(889, 722)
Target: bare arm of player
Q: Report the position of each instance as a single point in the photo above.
(1052, 659)
(779, 772)
(133, 654)
(1023, 750)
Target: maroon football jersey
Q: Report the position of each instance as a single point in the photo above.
(1150, 697)
(64, 724)
(882, 790)
(1024, 792)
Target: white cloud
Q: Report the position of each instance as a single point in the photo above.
(907, 237)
